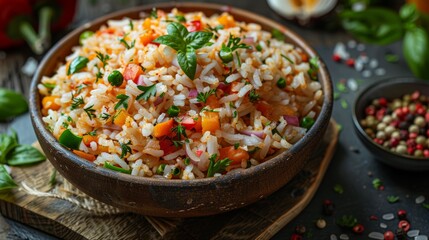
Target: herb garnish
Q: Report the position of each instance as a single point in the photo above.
(80, 88)
(76, 102)
(153, 13)
(180, 18)
(314, 68)
(105, 116)
(185, 43)
(131, 24)
(180, 131)
(123, 101)
(11, 104)
(277, 34)
(338, 189)
(217, 167)
(287, 58)
(202, 97)
(77, 64)
(125, 149)
(122, 40)
(347, 221)
(90, 112)
(392, 199)
(103, 58)
(253, 96)
(148, 91)
(376, 183)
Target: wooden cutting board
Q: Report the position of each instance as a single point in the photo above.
(68, 220)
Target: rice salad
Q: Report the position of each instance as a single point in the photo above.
(181, 95)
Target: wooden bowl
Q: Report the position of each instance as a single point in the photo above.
(181, 198)
(390, 89)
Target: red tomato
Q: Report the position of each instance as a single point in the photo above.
(188, 123)
(133, 72)
(194, 26)
(167, 146)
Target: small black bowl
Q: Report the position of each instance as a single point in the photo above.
(390, 88)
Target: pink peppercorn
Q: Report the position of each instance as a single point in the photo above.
(426, 153)
(296, 237)
(404, 225)
(350, 62)
(336, 57)
(389, 235)
(358, 228)
(402, 214)
(382, 102)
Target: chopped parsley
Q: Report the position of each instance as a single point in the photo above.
(348, 221)
(81, 87)
(76, 102)
(123, 101)
(392, 199)
(187, 161)
(122, 40)
(154, 13)
(376, 183)
(236, 145)
(105, 116)
(125, 149)
(131, 24)
(217, 167)
(202, 97)
(287, 58)
(277, 34)
(93, 133)
(314, 68)
(253, 96)
(148, 91)
(180, 131)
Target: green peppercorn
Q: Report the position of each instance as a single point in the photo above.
(115, 78)
(160, 169)
(173, 111)
(307, 122)
(84, 36)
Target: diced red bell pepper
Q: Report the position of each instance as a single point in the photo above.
(167, 146)
(10, 12)
(194, 26)
(132, 72)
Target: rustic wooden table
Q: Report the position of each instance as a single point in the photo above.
(353, 167)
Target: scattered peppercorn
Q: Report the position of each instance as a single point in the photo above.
(389, 235)
(358, 228)
(402, 214)
(404, 225)
(321, 223)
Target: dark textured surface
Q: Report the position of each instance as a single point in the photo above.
(350, 166)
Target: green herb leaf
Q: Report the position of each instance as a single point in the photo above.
(77, 64)
(153, 13)
(53, 178)
(426, 205)
(49, 86)
(392, 58)
(217, 167)
(253, 96)
(408, 13)
(160, 169)
(376, 183)
(344, 104)
(24, 155)
(6, 181)
(374, 25)
(117, 169)
(90, 112)
(188, 62)
(125, 147)
(416, 51)
(68, 139)
(202, 97)
(338, 189)
(347, 221)
(180, 131)
(84, 36)
(307, 122)
(103, 58)
(123, 101)
(76, 102)
(7, 144)
(180, 18)
(105, 116)
(11, 104)
(392, 199)
(131, 24)
(148, 91)
(287, 58)
(178, 30)
(172, 41)
(277, 34)
(197, 40)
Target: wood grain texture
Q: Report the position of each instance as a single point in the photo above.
(257, 221)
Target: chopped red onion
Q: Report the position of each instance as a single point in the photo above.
(222, 86)
(291, 120)
(248, 40)
(193, 93)
(140, 81)
(259, 134)
(158, 101)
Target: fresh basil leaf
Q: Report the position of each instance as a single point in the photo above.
(77, 64)
(6, 181)
(7, 143)
(24, 155)
(11, 104)
(177, 29)
(408, 13)
(375, 25)
(416, 51)
(188, 62)
(172, 41)
(197, 40)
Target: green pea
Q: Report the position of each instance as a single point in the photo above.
(160, 169)
(259, 47)
(307, 122)
(84, 36)
(173, 111)
(115, 78)
(226, 55)
(281, 83)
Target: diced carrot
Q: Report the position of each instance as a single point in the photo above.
(265, 109)
(147, 23)
(146, 38)
(107, 30)
(120, 117)
(87, 139)
(132, 72)
(163, 129)
(87, 156)
(304, 57)
(48, 102)
(235, 155)
(101, 148)
(210, 122)
(213, 102)
(226, 20)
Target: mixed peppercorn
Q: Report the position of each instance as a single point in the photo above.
(401, 125)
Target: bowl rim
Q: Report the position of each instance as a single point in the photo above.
(233, 176)
(386, 82)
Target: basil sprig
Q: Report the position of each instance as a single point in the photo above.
(11, 104)
(6, 181)
(383, 26)
(185, 43)
(77, 64)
